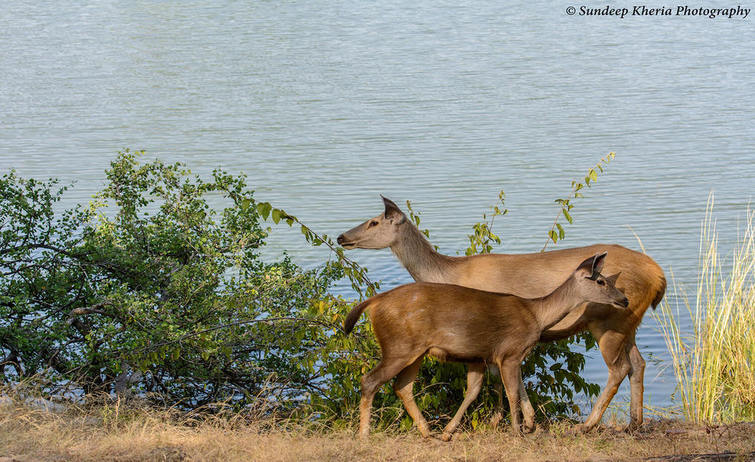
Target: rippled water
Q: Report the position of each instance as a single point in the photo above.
(326, 105)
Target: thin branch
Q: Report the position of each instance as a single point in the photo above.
(85, 310)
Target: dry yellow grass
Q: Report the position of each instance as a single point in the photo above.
(110, 432)
(714, 364)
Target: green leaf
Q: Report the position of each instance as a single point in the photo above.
(567, 216)
(553, 236)
(276, 216)
(561, 232)
(264, 209)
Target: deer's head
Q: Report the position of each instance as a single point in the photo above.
(376, 233)
(590, 284)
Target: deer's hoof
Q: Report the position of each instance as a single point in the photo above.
(425, 432)
(497, 417)
(529, 428)
(446, 436)
(633, 426)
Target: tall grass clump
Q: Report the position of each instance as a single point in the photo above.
(714, 364)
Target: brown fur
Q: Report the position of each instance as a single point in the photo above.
(533, 275)
(461, 324)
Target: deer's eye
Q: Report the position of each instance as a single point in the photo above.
(601, 282)
(373, 223)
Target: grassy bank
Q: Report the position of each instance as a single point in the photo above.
(112, 432)
(714, 364)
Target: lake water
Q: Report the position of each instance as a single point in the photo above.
(327, 104)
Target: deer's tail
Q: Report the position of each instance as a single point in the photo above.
(353, 316)
(660, 290)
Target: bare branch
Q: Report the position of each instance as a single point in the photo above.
(86, 310)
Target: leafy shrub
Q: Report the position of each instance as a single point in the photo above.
(157, 287)
(150, 286)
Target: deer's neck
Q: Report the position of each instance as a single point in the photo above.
(554, 307)
(419, 257)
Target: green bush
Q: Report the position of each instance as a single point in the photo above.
(151, 287)
(157, 287)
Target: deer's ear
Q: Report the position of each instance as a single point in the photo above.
(612, 279)
(591, 267)
(392, 212)
(597, 264)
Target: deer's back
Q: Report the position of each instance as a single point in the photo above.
(538, 274)
(467, 323)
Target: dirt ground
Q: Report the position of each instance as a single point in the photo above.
(34, 434)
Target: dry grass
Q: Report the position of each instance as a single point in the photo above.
(112, 432)
(715, 364)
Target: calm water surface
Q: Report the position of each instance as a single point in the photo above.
(326, 105)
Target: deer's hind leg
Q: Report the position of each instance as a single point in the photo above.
(637, 386)
(616, 356)
(403, 386)
(475, 374)
(372, 381)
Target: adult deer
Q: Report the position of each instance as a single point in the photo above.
(535, 275)
(461, 324)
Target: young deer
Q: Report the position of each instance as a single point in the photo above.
(456, 323)
(534, 275)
